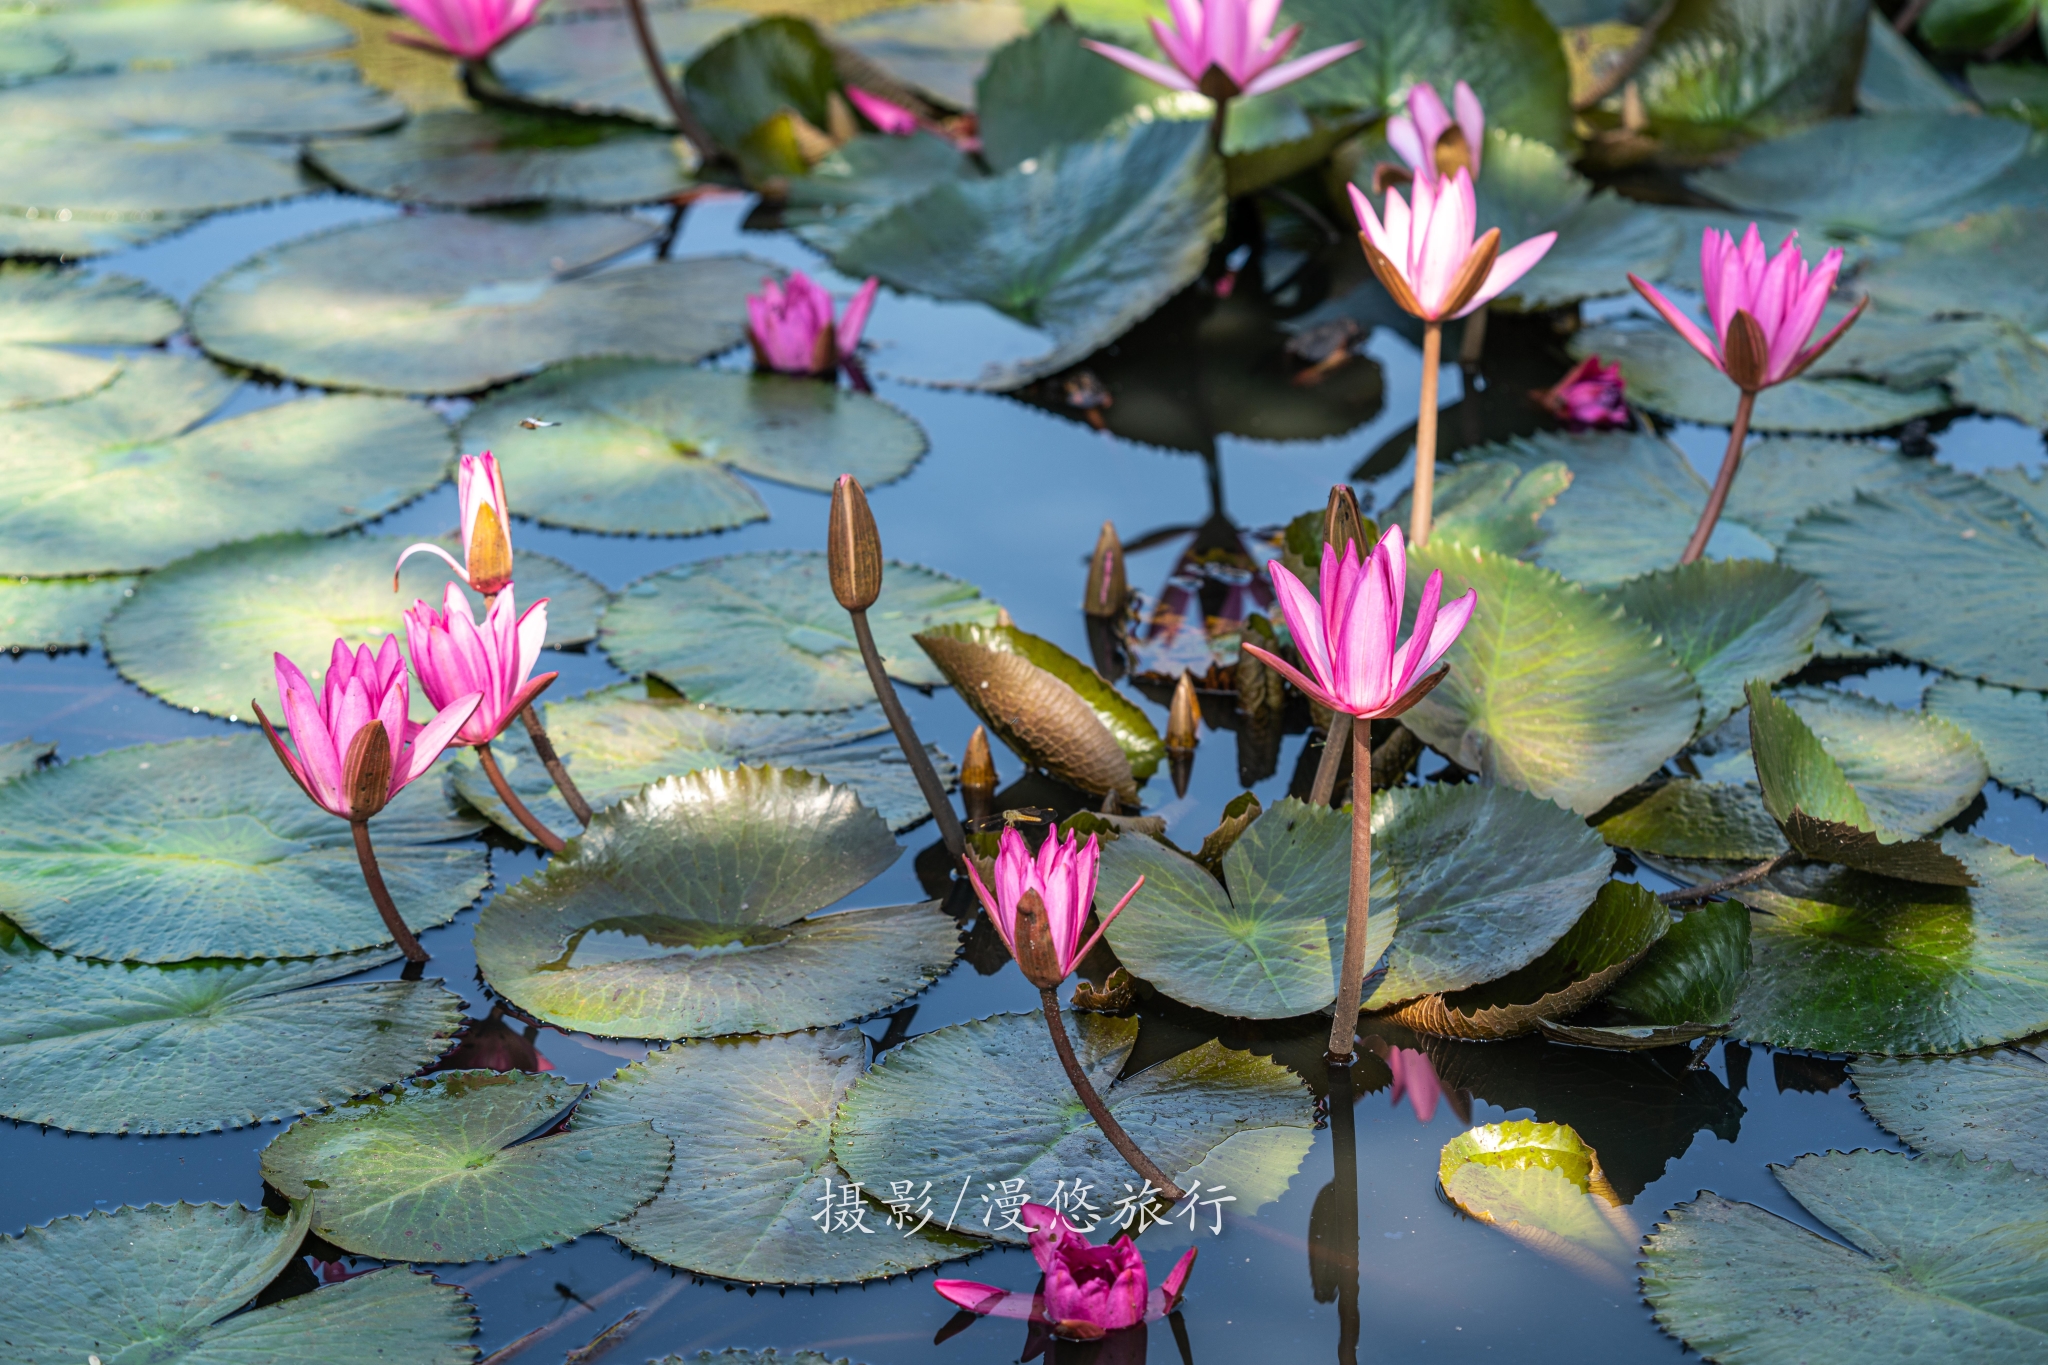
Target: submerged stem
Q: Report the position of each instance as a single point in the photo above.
(549, 840)
(687, 122)
(1723, 481)
(1351, 975)
(1099, 1111)
(381, 894)
(906, 736)
(1425, 434)
(571, 796)
(1334, 740)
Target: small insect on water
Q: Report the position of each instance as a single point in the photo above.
(535, 423)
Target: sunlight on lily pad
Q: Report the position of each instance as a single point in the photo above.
(259, 101)
(41, 309)
(1729, 622)
(1541, 1185)
(105, 37)
(57, 613)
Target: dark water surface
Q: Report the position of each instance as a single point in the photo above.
(1011, 497)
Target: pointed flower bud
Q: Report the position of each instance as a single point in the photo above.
(978, 770)
(1342, 524)
(486, 529)
(366, 772)
(1182, 717)
(853, 547)
(1108, 589)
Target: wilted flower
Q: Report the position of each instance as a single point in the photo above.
(486, 528)
(470, 28)
(1591, 395)
(1089, 1292)
(1430, 140)
(792, 330)
(1041, 904)
(455, 658)
(1224, 48)
(1428, 259)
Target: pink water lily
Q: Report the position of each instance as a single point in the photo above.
(887, 116)
(791, 327)
(1224, 48)
(1062, 876)
(1428, 257)
(1591, 396)
(470, 28)
(486, 528)
(1089, 1291)
(1415, 1080)
(1430, 140)
(455, 658)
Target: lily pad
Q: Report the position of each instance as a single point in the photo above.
(1044, 90)
(195, 635)
(1486, 504)
(1542, 1185)
(2005, 376)
(774, 65)
(1896, 79)
(986, 1102)
(644, 448)
(1845, 961)
(1784, 478)
(205, 848)
(1722, 71)
(104, 37)
(1875, 556)
(244, 100)
(451, 303)
(1979, 265)
(48, 232)
(2016, 89)
(864, 178)
(23, 756)
(617, 740)
(57, 613)
(200, 1048)
(106, 483)
(478, 158)
(103, 177)
(1551, 688)
(1729, 622)
(2011, 727)
(166, 1281)
(1698, 820)
(450, 1167)
(41, 308)
(762, 632)
(1528, 187)
(1081, 242)
(592, 64)
(752, 1120)
(1942, 1259)
(1991, 1106)
(1684, 989)
(681, 913)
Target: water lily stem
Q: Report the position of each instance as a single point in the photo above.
(913, 748)
(1216, 121)
(686, 120)
(381, 894)
(1334, 740)
(1099, 1111)
(549, 840)
(1723, 481)
(1351, 978)
(571, 796)
(1425, 434)
(1706, 891)
(1344, 1190)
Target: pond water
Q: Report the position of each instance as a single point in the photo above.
(1010, 497)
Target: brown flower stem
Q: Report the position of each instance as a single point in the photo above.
(687, 122)
(571, 796)
(549, 840)
(913, 748)
(1626, 65)
(1216, 126)
(1909, 16)
(1334, 740)
(1425, 434)
(381, 894)
(1344, 1160)
(1723, 481)
(1709, 890)
(1472, 345)
(1099, 1111)
(1351, 980)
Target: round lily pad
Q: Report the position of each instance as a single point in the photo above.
(1729, 622)
(646, 448)
(451, 303)
(752, 1120)
(1785, 477)
(617, 740)
(451, 1167)
(1942, 1261)
(762, 632)
(243, 100)
(102, 37)
(205, 848)
(681, 913)
(592, 65)
(167, 1281)
(57, 613)
(199, 1048)
(1698, 820)
(478, 158)
(1991, 1106)
(1542, 1185)
(1847, 961)
(2011, 727)
(1551, 689)
(42, 308)
(107, 483)
(196, 634)
(67, 235)
(1488, 504)
(1044, 89)
(986, 1102)
(102, 176)
(1979, 265)
(2007, 375)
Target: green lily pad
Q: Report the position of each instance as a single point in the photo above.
(478, 158)
(195, 635)
(1896, 79)
(1551, 688)
(1784, 478)
(104, 37)
(592, 64)
(67, 235)
(986, 1102)
(244, 100)
(1723, 71)
(2011, 727)
(200, 1048)
(1541, 1185)
(681, 913)
(24, 54)
(2006, 376)
(617, 740)
(105, 176)
(1729, 622)
(644, 448)
(1698, 820)
(205, 848)
(1992, 1106)
(752, 1120)
(1845, 961)
(41, 308)
(2028, 490)
(1486, 504)
(1089, 239)
(57, 613)
(165, 1282)
(1982, 264)
(1943, 1261)
(104, 483)
(771, 66)
(762, 631)
(1875, 556)
(1527, 187)
(1044, 90)
(437, 1170)
(1684, 989)
(23, 756)
(1902, 350)
(864, 178)
(451, 303)
(1972, 25)
(2017, 89)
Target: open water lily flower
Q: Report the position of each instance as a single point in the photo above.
(456, 658)
(1430, 140)
(1347, 638)
(791, 326)
(470, 28)
(1224, 48)
(1592, 395)
(1061, 879)
(1427, 256)
(1089, 1291)
(356, 746)
(486, 528)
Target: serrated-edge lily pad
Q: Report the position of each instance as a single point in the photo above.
(1698, 820)
(1784, 477)
(1542, 1185)
(1981, 265)
(1729, 622)
(84, 174)
(1684, 989)
(23, 756)
(39, 232)
(246, 99)
(1485, 504)
(58, 613)
(105, 37)
(1991, 1106)
(1726, 71)
(41, 308)
(450, 1168)
(2011, 727)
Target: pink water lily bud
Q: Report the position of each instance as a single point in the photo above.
(791, 326)
(470, 28)
(1415, 1081)
(1591, 396)
(1040, 904)
(456, 658)
(1430, 140)
(1763, 308)
(1428, 258)
(486, 528)
(1089, 1292)
(1224, 48)
(1347, 637)
(887, 116)
(356, 726)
